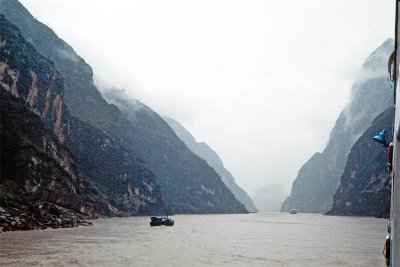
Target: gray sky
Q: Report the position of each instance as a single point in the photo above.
(262, 82)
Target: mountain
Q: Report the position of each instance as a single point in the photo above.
(54, 158)
(188, 184)
(270, 197)
(211, 157)
(128, 184)
(40, 185)
(319, 178)
(82, 97)
(364, 189)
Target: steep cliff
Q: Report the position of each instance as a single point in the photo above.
(82, 97)
(208, 154)
(188, 183)
(31, 77)
(129, 185)
(35, 163)
(364, 188)
(39, 185)
(37, 170)
(319, 178)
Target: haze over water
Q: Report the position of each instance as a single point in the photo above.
(263, 239)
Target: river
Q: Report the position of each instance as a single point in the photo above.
(262, 239)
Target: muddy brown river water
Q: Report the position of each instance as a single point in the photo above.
(262, 239)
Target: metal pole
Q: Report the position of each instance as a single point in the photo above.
(395, 197)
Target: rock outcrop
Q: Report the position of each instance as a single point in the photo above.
(364, 189)
(319, 178)
(31, 77)
(127, 183)
(39, 186)
(205, 152)
(38, 171)
(83, 99)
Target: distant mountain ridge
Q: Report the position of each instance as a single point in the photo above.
(212, 158)
(319, 178)
(270, 197)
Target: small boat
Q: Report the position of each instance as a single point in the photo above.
(158, 221)
(293, 211)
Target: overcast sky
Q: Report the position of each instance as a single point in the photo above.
(262, 82)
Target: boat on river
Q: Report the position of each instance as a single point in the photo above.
(159, 221)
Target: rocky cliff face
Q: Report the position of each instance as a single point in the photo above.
(190, 185)
(319, 178)
(31, 77)
(81, 96)
(39, 185)
(38, 172)
(187, 182)
(364, 189)
(127, 183)
(211, 157)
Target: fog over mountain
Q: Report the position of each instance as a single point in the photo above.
(365, 184)
(208, 154)
(126, 151)
(270, 197)
(319, 178)
(263, 97)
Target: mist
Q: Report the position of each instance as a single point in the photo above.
(259, 82)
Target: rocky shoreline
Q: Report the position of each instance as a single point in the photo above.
(38, 215)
